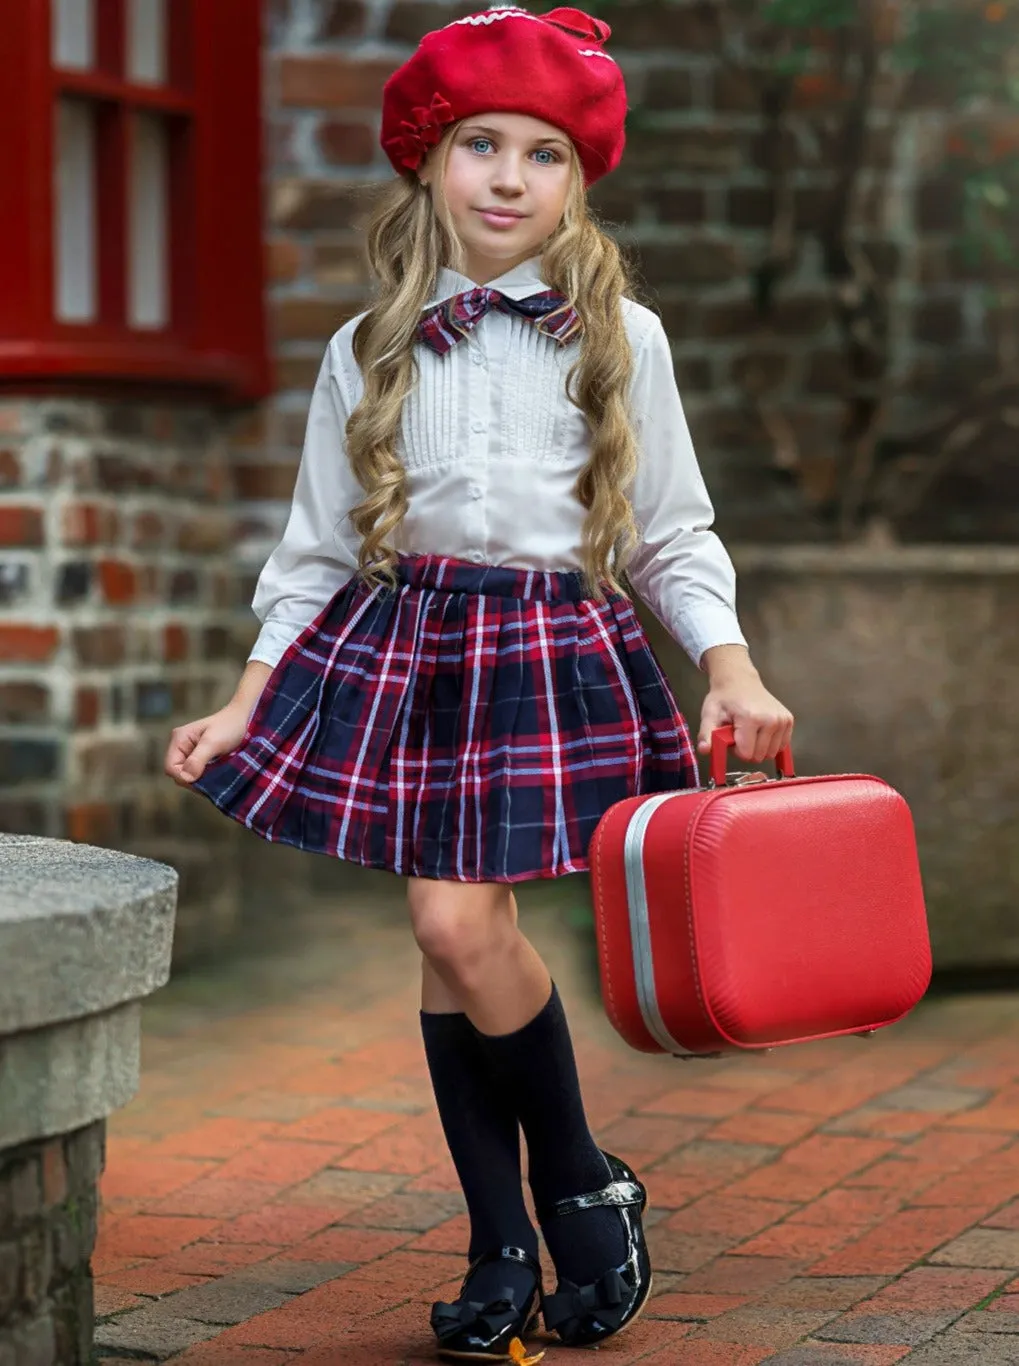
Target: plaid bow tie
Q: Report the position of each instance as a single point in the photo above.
(445, 324)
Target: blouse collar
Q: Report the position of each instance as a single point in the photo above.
(523, 280)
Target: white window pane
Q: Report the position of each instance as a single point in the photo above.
(148, 251)
(73, 27)
(146, 41)
(74, 222)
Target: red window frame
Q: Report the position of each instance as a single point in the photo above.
(215, 338)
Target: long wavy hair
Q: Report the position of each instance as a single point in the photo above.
(408, 240)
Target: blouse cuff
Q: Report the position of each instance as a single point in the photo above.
(274, 640)
(707, 627)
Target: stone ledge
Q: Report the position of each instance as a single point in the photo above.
(82, 930)
(863, 559)
(60, 1078)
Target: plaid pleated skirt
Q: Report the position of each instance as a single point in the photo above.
(473, 724)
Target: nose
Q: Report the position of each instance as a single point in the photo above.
(508, 175)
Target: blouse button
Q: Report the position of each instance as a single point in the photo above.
(478, 425)
(477, 358)
(474, 490)
(477, 556)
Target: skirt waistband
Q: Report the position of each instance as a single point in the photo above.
(452, 575)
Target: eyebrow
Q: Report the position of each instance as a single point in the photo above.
(495, 133)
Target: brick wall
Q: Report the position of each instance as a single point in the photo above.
(693, 200)
(117, 590)
(131, 535)
(48, 1202)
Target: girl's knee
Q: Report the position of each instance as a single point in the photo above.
(456, 925)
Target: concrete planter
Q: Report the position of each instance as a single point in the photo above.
(85, 936)
(903, 663)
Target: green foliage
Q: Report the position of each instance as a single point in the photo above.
(806, 14)
(966, 46)
(967, 50)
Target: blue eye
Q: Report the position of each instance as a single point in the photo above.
(547, 152)
(474, 142)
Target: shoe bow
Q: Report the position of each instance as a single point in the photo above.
(490, 1318)
(604, 1298)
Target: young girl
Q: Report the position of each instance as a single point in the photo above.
(450, 682)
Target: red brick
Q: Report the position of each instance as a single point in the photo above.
(23, 703)
(211, 1354)
(54, 1173)
(452, 1236)
(151, 1235)
(87, 707)
(708, 1354)
(933, 1288)
(10, 469)
(118, 581)
(221, 1136)
(802, 1241)
(21, 644)
(21, 526)
(153, 1279)
(341, 1125)
(809, 1168)
(99, 646)
(741, 1276)
(721, 1213)
(217, 1198)
(332, 81)
(350, 1245)
(679, 1305)
(278, 1162)
(763, 1126)
(110, 1299)
(411, 1147)
(1004, 1218)
(175, 643)
(849, 1207)
(280, 1224)
(148, 1177)
(283, 259)
(92, 823)
(214, 1259)
(897, 1243)
(309, 319)
(697, 1102)
(345, 142)
(88, 524)
(266, 481)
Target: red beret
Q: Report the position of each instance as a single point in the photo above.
(505, 59)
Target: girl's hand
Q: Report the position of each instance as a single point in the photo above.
(737, 697)
(198, 743)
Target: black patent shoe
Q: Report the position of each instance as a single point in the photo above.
(583, 1315)
(471, 1331)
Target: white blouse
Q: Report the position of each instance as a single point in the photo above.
(493, 447)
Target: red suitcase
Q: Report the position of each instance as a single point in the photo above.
(754, 912)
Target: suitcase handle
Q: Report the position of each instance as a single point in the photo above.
(723, 739)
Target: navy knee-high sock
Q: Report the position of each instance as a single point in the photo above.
(480, 1122)
(540, 1072)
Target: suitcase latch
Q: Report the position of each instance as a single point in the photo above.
(745, 779)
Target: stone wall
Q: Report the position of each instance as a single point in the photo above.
(48, 1201)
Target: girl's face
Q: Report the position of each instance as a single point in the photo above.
(507, 181)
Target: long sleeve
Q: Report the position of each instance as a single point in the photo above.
(681, 569)
(318, 553)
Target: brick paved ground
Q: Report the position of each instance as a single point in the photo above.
(278, 1192)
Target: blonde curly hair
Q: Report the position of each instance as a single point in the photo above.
(408, 240)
